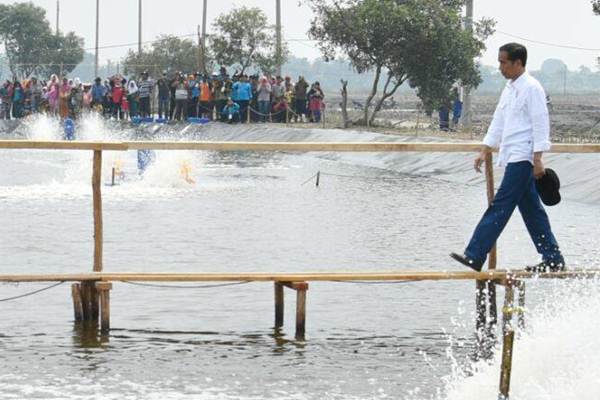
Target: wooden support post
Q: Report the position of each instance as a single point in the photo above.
(86, 300)
(77, 305)
(104, 288)
(300, 288)
(521, 316)
(113, 177)
(318, 178)
(508, 341)
(97, 195)
(301, 313)
(279, 305)
(506, 369)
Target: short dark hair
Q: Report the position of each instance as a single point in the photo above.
(515, 52)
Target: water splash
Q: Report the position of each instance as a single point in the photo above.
(556, 358)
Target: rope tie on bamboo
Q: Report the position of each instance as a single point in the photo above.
(154, 285)
(513, 310)
(32, 293)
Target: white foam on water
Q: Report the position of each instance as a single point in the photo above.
(42, 127)
(556, 358)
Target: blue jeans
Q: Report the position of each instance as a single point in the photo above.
(456, 112)
(444, 113)
(264, 107)
(517, 189)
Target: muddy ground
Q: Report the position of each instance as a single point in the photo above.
(574, 118)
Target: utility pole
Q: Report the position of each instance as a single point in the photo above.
(203, 44)
(57, 17)
(278, 36)
(139, 27)
(200, 51)
(97, 37)
(467, 118)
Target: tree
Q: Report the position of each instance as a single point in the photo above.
(165, 54)
(244, 39)
(596, 6)
(419, 41)
(30, 45)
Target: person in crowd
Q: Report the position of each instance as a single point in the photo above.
(316, 105)
(63, 96)
(132, 98)
(193, 83)
(172, 87)
(18, 99)
(53, 94)
(87, 98)
(280, 110)
(35, 94)
(181, 99)
(220, 95)
(264, 99)
(301, 98)
(6, 92)
(98, 92)
(205, 105)
(125, 105)
(231, 112)
(163, 96)
(117, 99)
(242, 94)
(145, 92)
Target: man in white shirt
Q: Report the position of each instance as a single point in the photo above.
(521, 129)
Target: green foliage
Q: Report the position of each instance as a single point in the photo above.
(244, 39)
(167, 53)
(596, 6)
(30, 45)
(420, 41)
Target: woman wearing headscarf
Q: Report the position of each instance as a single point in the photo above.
(64, 94)
(132, 98)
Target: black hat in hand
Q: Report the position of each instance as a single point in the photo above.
(548, 187)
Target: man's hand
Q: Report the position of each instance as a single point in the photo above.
(538, 168)
(479, 160)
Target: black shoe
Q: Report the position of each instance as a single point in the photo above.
(546, 266)
(463, 259)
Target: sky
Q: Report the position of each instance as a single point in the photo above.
(559, 22)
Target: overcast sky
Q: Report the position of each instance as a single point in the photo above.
(569, 23)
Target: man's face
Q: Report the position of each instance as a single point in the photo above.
(509, 69)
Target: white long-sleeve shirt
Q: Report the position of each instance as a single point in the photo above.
(521, 125)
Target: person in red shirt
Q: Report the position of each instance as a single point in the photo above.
(117, 99)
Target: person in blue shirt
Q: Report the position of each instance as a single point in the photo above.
(98, 92)
(231, 112)
(242, 94)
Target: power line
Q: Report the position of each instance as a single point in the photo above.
(562, 46)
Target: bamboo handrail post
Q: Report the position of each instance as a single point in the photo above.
(318, 178)
(508, 341)
(279, 304)
(97, 200)
(521, 320)
(77, 305)
(104, 288)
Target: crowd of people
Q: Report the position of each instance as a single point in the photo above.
(234, 99)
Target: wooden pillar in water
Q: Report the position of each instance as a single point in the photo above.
(77, 304)
(104, 289)
(279, 305)
(300, 288)
(301, 311)
(508, 341)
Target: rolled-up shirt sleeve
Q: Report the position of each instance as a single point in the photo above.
(494, 133)
(540, 121)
